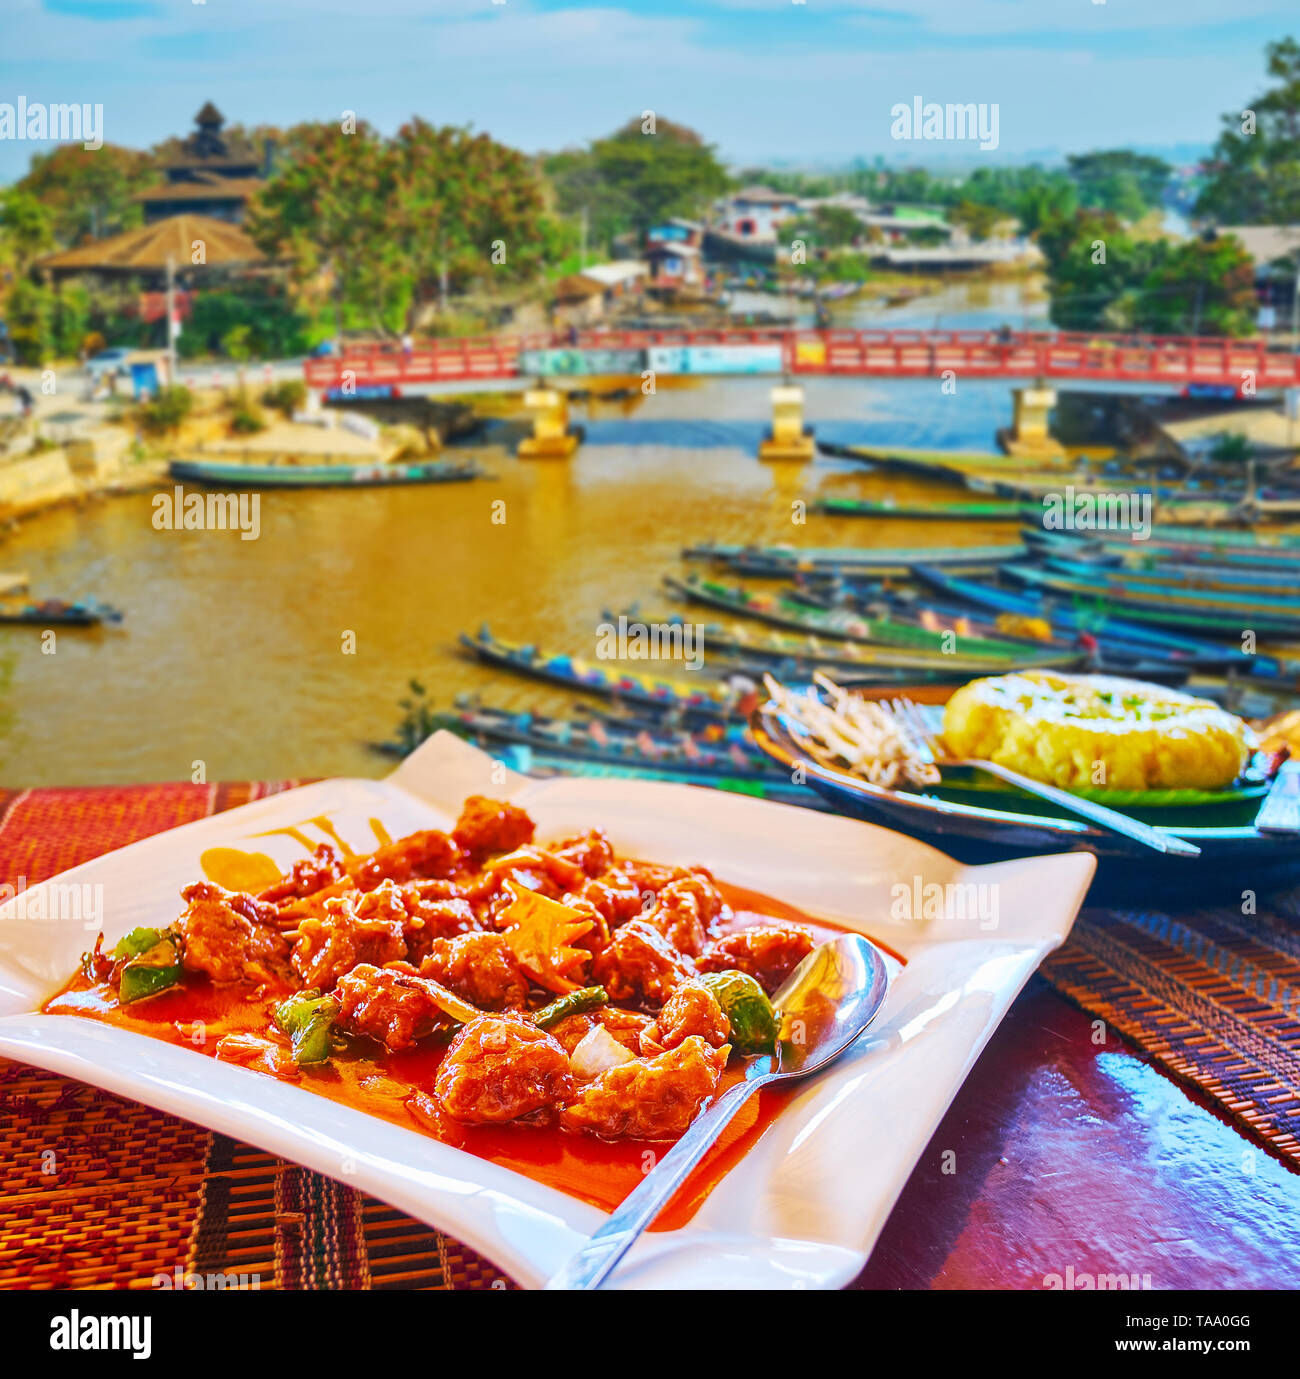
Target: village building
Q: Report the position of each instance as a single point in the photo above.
(1276, 251)
(585, 297)
(191, 245)
(755, 213)
(675, 266)
(212, 175)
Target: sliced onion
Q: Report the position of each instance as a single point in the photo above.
(598, 1050)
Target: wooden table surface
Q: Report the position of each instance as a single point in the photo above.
(1062, 1153)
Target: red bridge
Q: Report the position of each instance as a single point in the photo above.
(1154, 360)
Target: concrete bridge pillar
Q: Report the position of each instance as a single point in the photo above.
(552, 438)
(788, 439)
(1029, 435)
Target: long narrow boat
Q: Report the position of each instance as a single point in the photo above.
(1165, 543)
(781, 562)
(781, 610)
(216, 474)
(1176, 588)
(862, 659)
(1082, 615)
(700, 698)
(1194, 536)
(699, 755)
(940, 464)
(921, 509)
(1241, 579)
(990, 467)
(1170, 606)
(60, 613)
(530, 761)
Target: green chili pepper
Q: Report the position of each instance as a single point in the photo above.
(136, 942)
(575, 1003)
(308, 1019)
(745, 1004)
(153, 967)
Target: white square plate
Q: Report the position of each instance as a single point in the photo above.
(804, 1206)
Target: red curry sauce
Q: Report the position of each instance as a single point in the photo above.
(199, 1014)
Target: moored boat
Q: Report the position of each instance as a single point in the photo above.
(218, 474)
(702, 754)
(700, 698)
(848, 625)
(1173, 605)
(920, 509)
(60, 613)
(1086, 616)
(781, 562)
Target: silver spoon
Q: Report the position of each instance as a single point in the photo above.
(825, 1003)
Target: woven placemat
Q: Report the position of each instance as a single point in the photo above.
(1212, 995)
(98, 1192)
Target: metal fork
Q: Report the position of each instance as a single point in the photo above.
(912, 723)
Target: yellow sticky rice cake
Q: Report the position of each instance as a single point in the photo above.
(1098, 732)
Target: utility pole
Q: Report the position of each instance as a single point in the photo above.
(582, 251)
(171, 321)
(1295, 305)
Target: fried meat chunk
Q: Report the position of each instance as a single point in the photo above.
(334, 944)
(593, 852)
(373, 1001)
(231, 936)
(768, 952)
(639, 964)
(501, 1067)
(613, 894)
(489, 826)
(323, 868)
(428, 853)
(686, 909)
(691, 1010)
(480, 967)
(627, 1026)
(648, 1098)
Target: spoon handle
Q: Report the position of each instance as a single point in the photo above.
(592, 1264)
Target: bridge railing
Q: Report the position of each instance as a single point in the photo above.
(870, 353)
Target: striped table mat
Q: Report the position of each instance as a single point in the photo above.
(1212, 995)
(97, 1192)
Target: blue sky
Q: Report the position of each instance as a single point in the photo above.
(763, 79)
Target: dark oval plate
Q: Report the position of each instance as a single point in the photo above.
(1234, 854)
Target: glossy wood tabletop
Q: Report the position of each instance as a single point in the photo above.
(1067, 1153)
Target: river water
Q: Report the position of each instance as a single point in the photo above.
(237, 653)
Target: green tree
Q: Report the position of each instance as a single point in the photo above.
(1129, 184)
(26, 228)
(391, 220)
(580, 189)
(88, 193)
(1094, 270)
(30, 313)
(1102, 277)
(829, 227)
(469, 207)
(668, 171)
(276, 329)
(1254, 172)
(978, 221)
(1199, 287)
(327, 213)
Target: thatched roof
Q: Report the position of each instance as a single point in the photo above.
(147, 249)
